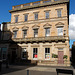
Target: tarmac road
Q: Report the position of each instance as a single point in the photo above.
(33, 70)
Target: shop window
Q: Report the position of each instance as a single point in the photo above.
(24, 53)
(47, 53)
(35, 51)
(60, 31)
(47, 31)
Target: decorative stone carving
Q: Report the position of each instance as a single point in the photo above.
(35, 27)
(15, 29)
(47, 25)
(59, 24)
(25, 28)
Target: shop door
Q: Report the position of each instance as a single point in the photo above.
(60, 57)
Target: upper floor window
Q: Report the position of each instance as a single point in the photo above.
(26, 17)
(36, 16)
(47, 14)
(47, 31)
(60, 31)
(15, 34)
(35, 32)
(24, 33)
(59, 12)
(16, 19)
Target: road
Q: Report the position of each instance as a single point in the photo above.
(33, 70)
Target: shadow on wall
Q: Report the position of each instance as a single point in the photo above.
(16, 54)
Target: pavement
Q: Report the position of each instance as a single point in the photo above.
(34, 70)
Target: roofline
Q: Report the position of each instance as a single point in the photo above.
(39, 5)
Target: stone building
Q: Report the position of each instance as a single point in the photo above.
(40, 33)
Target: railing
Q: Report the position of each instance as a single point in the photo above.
(35, 3)
(32, 39)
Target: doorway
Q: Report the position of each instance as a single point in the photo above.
(60, 57)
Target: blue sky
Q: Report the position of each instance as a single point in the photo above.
(6, 5)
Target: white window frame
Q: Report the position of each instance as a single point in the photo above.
(60, 31)
(35, 32)
(46, 32)
(47, 53)
(35, 53)
(24, 33)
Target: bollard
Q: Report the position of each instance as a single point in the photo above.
(27, 72)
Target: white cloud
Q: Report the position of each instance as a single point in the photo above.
(72, 26)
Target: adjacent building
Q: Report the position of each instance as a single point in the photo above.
(39, 32)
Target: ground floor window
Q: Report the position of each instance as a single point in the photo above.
(35, 51)
(3, 53)
(24, 53)
(47, 53)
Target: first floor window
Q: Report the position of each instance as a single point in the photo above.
(24, 53)
(24, 33)
(35, 51)
(47, 53)
(47, 32)
(60, 31)
(15, 34)
(35, 32)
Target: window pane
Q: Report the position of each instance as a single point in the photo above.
(24, 33)
(47, 14)
(47, 53)
(59, 13)
(15, 34)
(36, 16)
(60, 31)
(26, 17)
(4, 50)
(24, 53)
(35, 52)
(35, 32)
(47, 32)
(16, 19)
